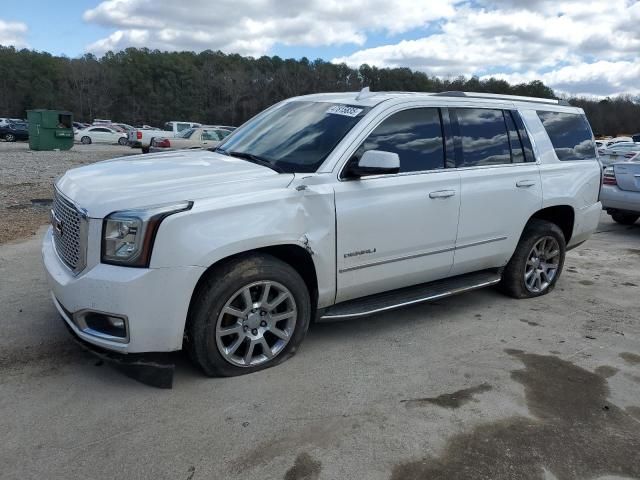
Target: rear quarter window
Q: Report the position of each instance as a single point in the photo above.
(570, 135)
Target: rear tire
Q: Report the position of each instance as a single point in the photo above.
(145, 149)
(223, 324)
(10, 137)
(625, 218)
(122, 141)
(537, 261)
(85, 140)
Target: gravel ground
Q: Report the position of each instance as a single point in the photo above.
(26, 179)
(478, 386)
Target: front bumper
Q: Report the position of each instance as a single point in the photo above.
(155, 301)
(614, 198)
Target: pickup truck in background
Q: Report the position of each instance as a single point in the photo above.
(143, 137)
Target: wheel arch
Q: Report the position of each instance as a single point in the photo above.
(294, 255)
(563, 216)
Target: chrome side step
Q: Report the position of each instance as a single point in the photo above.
(403, 297)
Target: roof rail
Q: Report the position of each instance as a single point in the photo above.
(494, 96)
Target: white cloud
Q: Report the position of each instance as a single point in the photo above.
(13, 33)
(254, 27)
(578, 46)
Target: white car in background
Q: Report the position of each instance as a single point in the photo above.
(190, 138)
(619, 152)
(100, 134)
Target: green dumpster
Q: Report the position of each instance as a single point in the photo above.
(50, 129)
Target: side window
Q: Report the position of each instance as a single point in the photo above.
(570, 135)
(182, 126)
(415, 135)
(484, 137)
(517, 154)
(209, 135)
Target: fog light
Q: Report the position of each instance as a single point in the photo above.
(103, 325)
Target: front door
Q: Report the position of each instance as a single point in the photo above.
(398, 230)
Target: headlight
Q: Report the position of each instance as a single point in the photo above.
(128, 236)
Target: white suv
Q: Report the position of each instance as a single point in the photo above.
(324, 206)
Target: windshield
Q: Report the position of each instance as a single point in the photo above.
(296, 136)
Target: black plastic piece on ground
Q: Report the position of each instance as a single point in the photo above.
(153, 369)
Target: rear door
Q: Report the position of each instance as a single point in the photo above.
(500, 185)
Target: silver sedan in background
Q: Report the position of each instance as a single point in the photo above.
(620, 195)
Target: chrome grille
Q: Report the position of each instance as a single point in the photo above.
(69, 232)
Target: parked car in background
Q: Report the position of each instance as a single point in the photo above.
(620, 195)
(330, 206)
(6, 121)
(620, 151)
(223, 127)
(142, 138)
(13, 131)
(124, 126)
(190, 138)
(100, 134)
(636, 137)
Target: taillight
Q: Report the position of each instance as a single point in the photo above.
(139, 135)
(609, 177)
(165, 143)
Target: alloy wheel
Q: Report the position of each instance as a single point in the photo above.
(542, 264)
(256, 323)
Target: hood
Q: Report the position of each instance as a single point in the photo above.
(153, 179)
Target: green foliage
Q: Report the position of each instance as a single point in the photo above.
(149, 86)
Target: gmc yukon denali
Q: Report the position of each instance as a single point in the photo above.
(327, 206)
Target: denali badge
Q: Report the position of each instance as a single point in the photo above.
(359, 252)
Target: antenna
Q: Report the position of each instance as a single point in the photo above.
(364, 93)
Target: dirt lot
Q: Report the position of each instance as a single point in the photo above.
(26, 180)
(478, 386)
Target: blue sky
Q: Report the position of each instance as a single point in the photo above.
(551, 40)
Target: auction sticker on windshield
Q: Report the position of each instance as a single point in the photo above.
(344, 110)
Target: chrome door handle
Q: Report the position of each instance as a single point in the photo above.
(442, 194)
(525, 183)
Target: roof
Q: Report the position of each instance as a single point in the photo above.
(370, 99)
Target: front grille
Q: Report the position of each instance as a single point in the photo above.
(69, 232)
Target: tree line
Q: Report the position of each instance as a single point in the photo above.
(142, 86)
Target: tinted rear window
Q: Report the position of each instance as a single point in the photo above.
(570, 135)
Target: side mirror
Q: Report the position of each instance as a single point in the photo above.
(376, 162)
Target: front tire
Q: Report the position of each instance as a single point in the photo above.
(85, 140)
(625, 218)
(248, 314)
(122, 141)
(10, 137)
(537, 261)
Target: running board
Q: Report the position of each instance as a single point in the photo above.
(425, 292)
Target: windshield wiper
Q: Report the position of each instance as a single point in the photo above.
(218, 150)
(255, 159)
